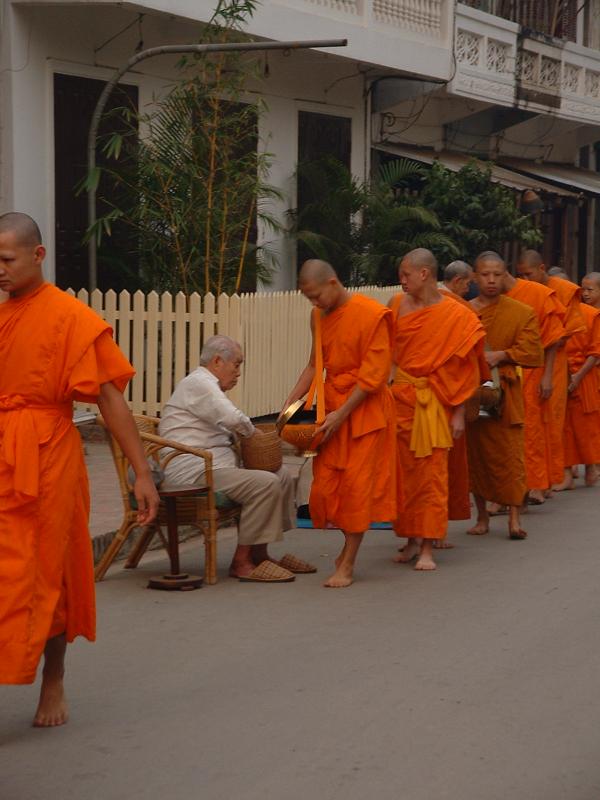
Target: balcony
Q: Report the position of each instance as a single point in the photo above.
(499, 62)
(554, 19)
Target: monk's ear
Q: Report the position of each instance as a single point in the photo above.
(39, 253)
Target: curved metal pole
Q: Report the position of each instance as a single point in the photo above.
(166, 49)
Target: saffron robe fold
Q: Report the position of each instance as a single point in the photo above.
(355, 470)
(436, 348)
(495, 446)
(53, 350)
(459, 501)
(569, 295)
(550, 314)
(582, 424)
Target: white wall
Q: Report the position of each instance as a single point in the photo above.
(39, 41)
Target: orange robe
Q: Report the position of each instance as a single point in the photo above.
(459, 501)
(550, 314)
(569, 295)
(582, 425)
(436, 349)
(355, 471)
(53, 350)
(496, 446)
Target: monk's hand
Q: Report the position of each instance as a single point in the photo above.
(332, 423)
(494, 357)
(574, 381)
(147, 498)
(457, 422)
(545, 387)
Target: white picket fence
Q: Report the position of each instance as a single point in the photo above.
(162, 336)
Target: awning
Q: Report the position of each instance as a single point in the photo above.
(584, 180)
(455, 161)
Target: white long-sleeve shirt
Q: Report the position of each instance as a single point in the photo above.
(199, 414)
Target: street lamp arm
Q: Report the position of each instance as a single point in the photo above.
(161, 50)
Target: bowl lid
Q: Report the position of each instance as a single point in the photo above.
(288, 413)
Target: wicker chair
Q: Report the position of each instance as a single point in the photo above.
(200, 512)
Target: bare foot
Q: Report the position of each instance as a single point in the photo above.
(565, 486)
(575, 472)
(52, 708)
(536, 497)
(591, 475)
(425, 563)
(241, 569)
(494, 509)
(442, 544)
(517, 533)
(407, 553)
(341, 579)
(549, 493)
(479, 529)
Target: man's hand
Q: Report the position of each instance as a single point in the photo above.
(457, 422)
(147, 499)
(574, 381)
(545, 387)
(332, 423)
(494, 357)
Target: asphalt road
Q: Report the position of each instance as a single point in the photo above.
(477, 682)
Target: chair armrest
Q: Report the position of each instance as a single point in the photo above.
(181, 449)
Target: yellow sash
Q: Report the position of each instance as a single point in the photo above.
(430, 426)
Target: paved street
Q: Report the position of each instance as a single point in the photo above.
(478, 682)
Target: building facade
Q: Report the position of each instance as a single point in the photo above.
(427, 78)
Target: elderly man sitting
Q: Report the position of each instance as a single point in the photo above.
(200, 415)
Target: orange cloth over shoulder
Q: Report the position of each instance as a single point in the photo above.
(550, 313)
(355, 479)
(459, 502)
(355, 471)
(496, 447)
(582, 425)
(437, 350)
(53, 350)
(569, 295)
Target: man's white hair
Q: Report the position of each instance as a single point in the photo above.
(219, 345)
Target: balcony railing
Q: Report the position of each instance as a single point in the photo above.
(555, 18)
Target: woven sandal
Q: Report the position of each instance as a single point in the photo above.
(268, 572)
(296, 565)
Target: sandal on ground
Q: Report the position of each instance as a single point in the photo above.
(268, 572)
(296, 565)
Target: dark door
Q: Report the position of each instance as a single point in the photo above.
(74, 102)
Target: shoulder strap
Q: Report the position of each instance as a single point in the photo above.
(317, 386)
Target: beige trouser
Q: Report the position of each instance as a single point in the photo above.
(266, 498)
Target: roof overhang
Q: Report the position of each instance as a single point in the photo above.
(500, 174)
(576, 178)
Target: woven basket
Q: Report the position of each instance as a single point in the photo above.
(263, 450)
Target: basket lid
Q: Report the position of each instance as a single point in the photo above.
(288, 413)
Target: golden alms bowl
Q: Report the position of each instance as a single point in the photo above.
(297, 427)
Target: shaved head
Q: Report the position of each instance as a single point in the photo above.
(421, 258)
(531, 258)
(457, 269)
(590, 289)
(491, 256)
(593, 276)
(23, 227)
(316, 271)
(557, 272)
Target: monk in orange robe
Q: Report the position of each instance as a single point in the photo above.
(495, 444)
(538, 382)
(437, 345)
(582, 426)
(53, 350)
(354, 472)
(531, 267)
(458, 276)
(590, 289)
